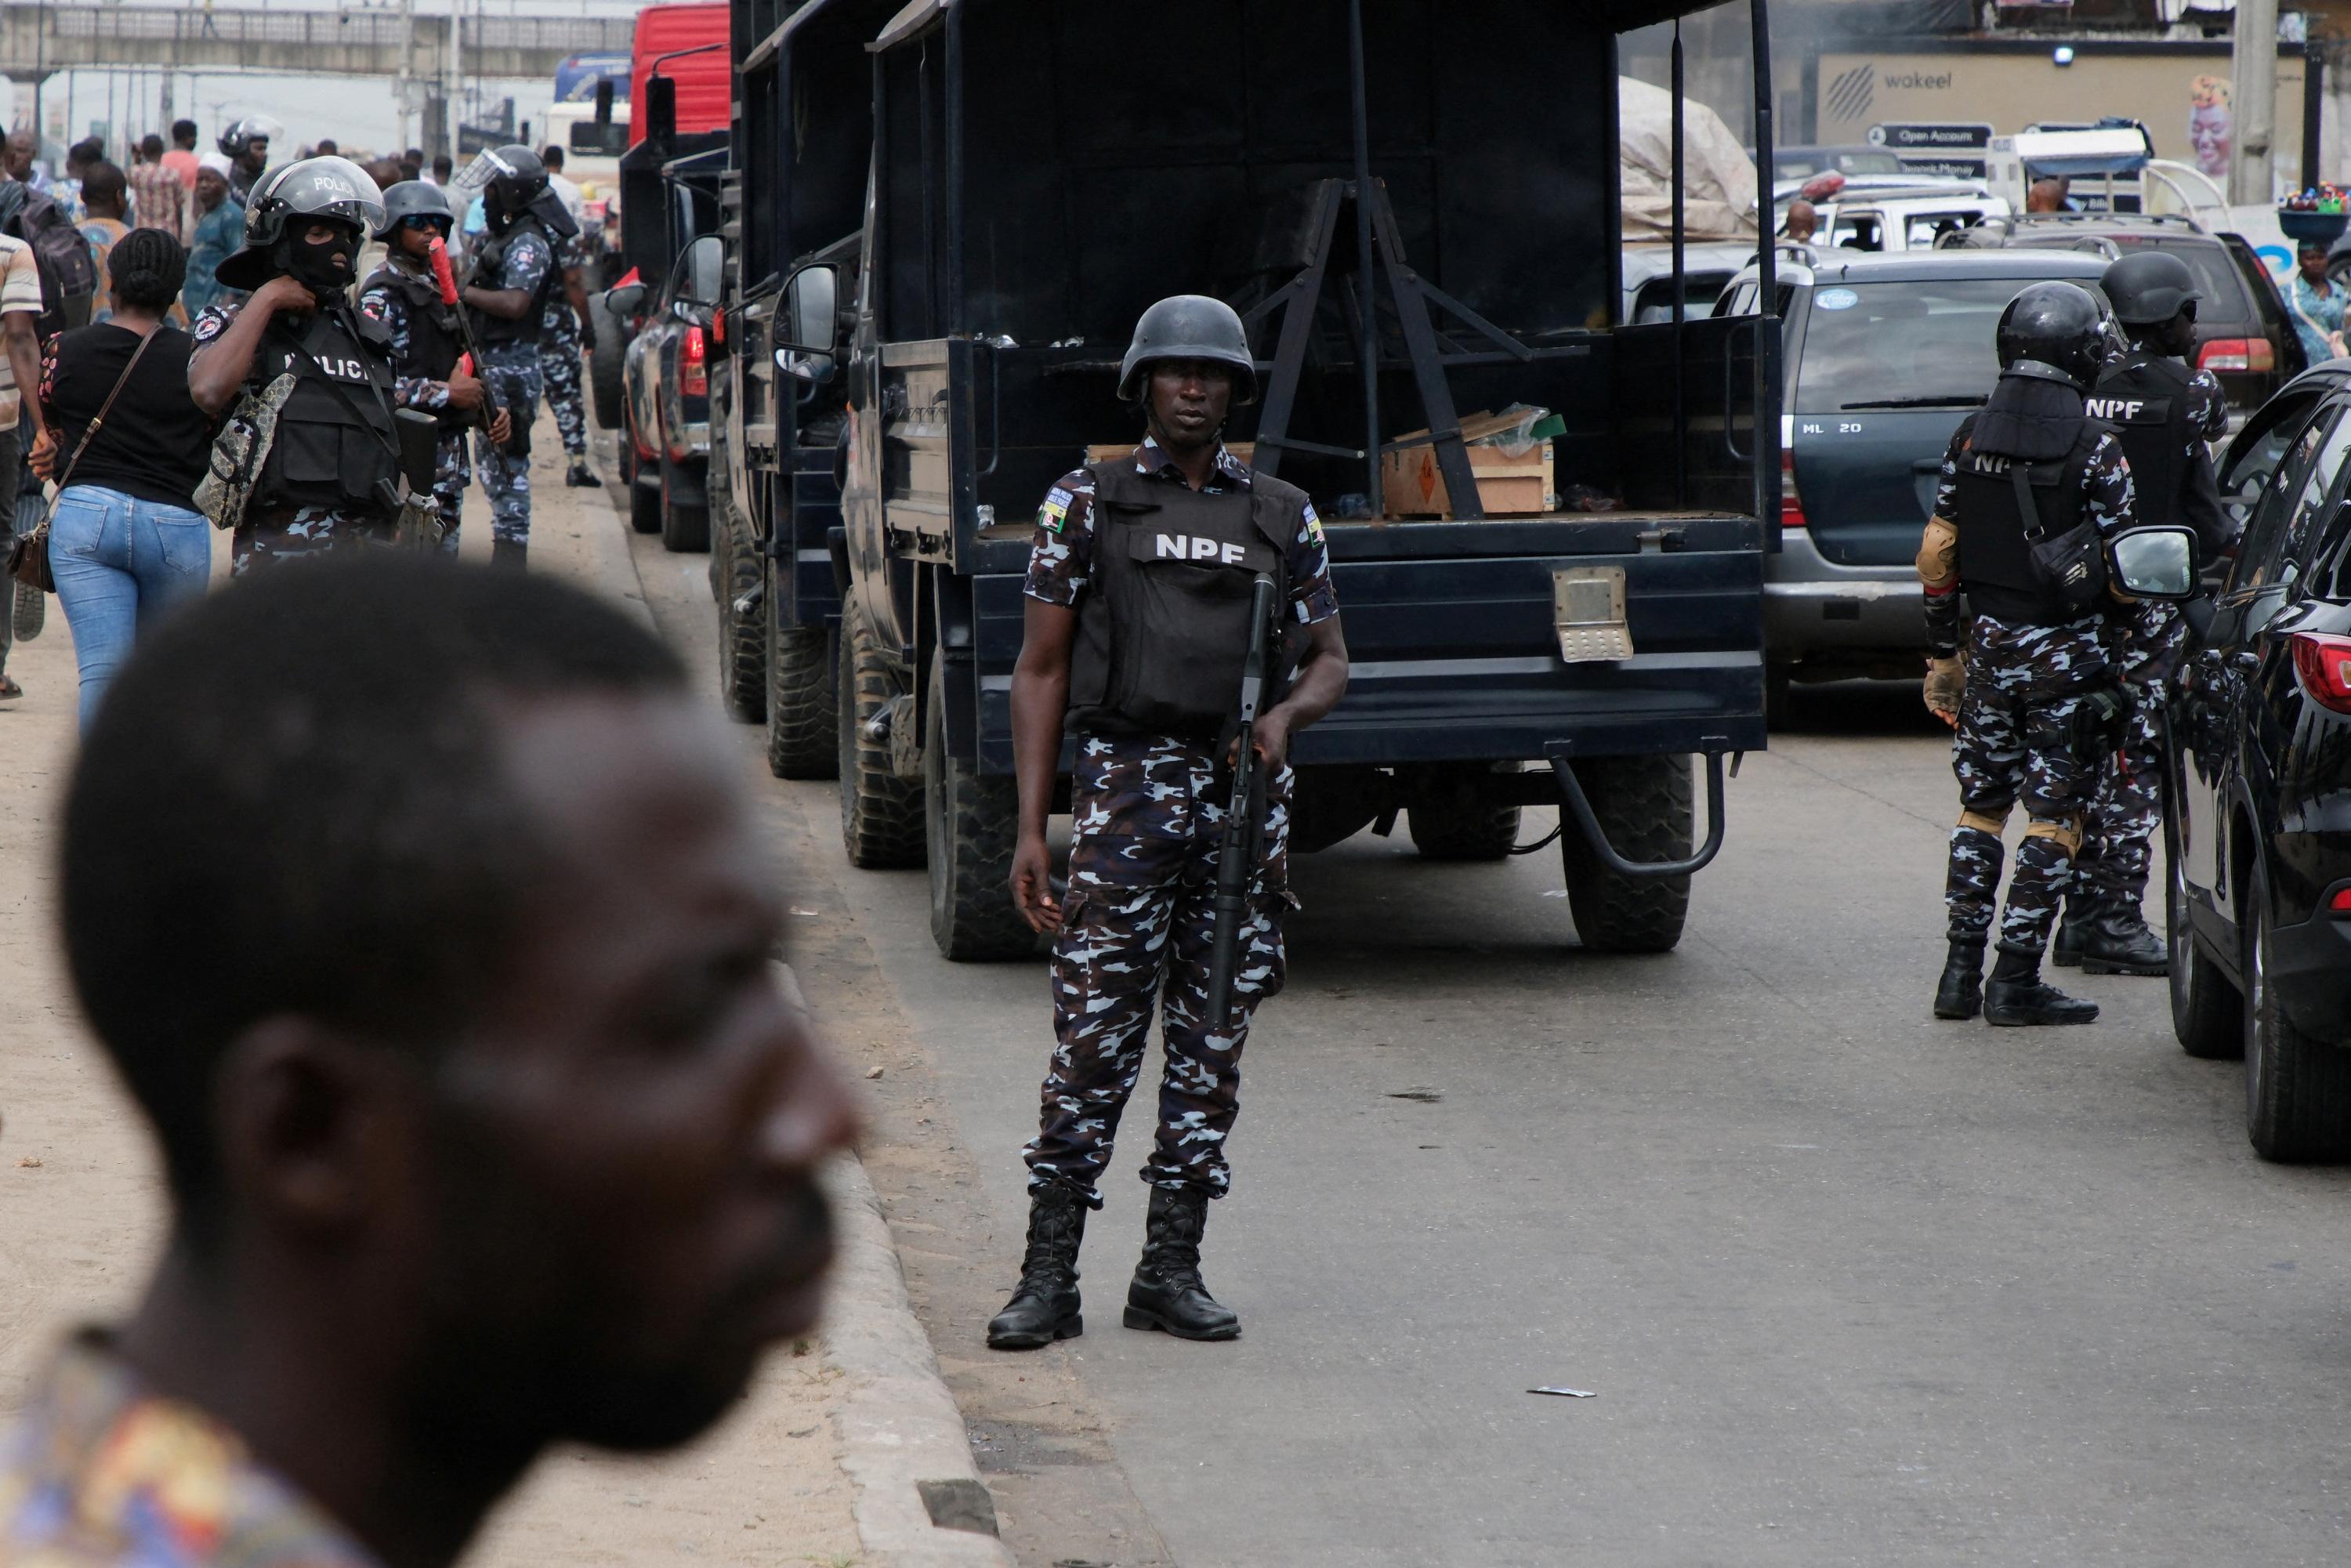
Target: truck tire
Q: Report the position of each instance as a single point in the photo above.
(1450, 820)
(970, 822)
(604, 387)
(685, 529)
(803, 698)
(2206, 1012)
(644, 501)
(881, 814)
(2297, 1088)
(1643, 806)
(736, 569)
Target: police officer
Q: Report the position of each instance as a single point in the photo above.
(1137, 627)
(245, 145)
(2166, 415)
(308, 457)
(514, 272)
(2031, 469)
(565, 331)
(406, 298)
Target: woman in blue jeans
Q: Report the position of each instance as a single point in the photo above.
(125, 542)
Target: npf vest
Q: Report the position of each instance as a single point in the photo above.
(2146, 395)
(1164, 629)
(489, 264)
(1995, 557)
(433, 345)
(336, 444)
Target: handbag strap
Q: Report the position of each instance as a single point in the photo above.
(103, 410)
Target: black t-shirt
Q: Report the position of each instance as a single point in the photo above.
(155, 441)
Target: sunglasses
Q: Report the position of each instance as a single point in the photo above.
(426, 221)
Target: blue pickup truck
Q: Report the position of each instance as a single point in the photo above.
(931, 288)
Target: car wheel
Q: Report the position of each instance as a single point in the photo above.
(972, 823)
(685, 529)
(1643, 806)
(2297, 1088)
(739, 575)
(1450, 820)
(2205, 1009)
(881, 814)
(604, 367)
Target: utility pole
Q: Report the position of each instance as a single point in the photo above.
(2253, 93)
(404, 90)
(449, 95)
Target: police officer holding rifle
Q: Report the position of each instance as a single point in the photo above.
(1144, 604)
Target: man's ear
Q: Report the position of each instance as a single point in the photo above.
(312, 1125)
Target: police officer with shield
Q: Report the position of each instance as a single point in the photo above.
(2166, 416)
(1139, 617)
(2031, 488)
(310, 455)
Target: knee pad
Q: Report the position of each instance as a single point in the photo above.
(2066, 833)
(1985, 822)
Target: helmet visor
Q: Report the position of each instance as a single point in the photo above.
(331, 188)
(475, 177)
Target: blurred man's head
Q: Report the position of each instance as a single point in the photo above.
(443, 167)
(151, 149)
(552, 156)
(1803, 219)
(329, 147)
(183, 135)
(436, 946)
(2045, 195)
(22, 150)
(102, 188)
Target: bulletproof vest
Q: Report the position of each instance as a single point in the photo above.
(489, 264)
(336, 444)
(433, 345)
(2145, 396)
(1995, 558)
(1164, 630)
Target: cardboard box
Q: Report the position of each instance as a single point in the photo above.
(1412, 486)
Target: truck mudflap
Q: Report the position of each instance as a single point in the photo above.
(1559, 754)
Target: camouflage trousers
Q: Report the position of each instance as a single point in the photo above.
(559, 368)
(2116, 849)
(1136, 927)
(450, 473)
(513, 376)
(302, 533)
(2025, 688)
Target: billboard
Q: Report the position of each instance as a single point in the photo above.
(576, 77)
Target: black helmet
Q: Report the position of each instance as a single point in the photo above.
(2148, 287)
(242, 133)
(1190, 326)
(334, 189)
(508, 178)
(2056, 332)
(415, 199)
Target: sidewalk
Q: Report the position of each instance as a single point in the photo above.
(849, 1446)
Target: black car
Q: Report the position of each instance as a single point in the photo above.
(2243, 334)
(2257, 816)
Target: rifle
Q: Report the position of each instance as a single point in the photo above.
(1237, 855)
(445, 275)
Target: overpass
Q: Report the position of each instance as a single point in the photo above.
(36, 40)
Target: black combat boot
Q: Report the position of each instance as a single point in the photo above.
(581, 474)
(1959, 993)
(2015, 996)
(1167, 1292)
(512, 554)
(1044, 1305)
(2120, 944)
(2073, 931)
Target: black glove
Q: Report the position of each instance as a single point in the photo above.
(2099, 720)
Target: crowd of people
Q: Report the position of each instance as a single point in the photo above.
(306, 354)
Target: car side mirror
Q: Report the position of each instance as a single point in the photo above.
(812, 319)
(624, 301)
(702, 271)
(2154, 563)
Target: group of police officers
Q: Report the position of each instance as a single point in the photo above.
(345, 402)
(331, 392)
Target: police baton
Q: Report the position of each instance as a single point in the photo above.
(1236, 854)
(445, 276)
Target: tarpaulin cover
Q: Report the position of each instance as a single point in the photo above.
(1719, 194)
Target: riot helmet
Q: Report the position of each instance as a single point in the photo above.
(2148, 287)
(286, 200)
(1189, 327)
(2053, 331)
(508, 178)
(416, 199)
(236, 141)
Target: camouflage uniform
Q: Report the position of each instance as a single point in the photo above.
(512, 370)
(1139, 916)
(2113, 865)
(269, 534)
(451, 472)
(2025, 687)
(558, 365)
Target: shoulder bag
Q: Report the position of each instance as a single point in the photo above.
(29, 556)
